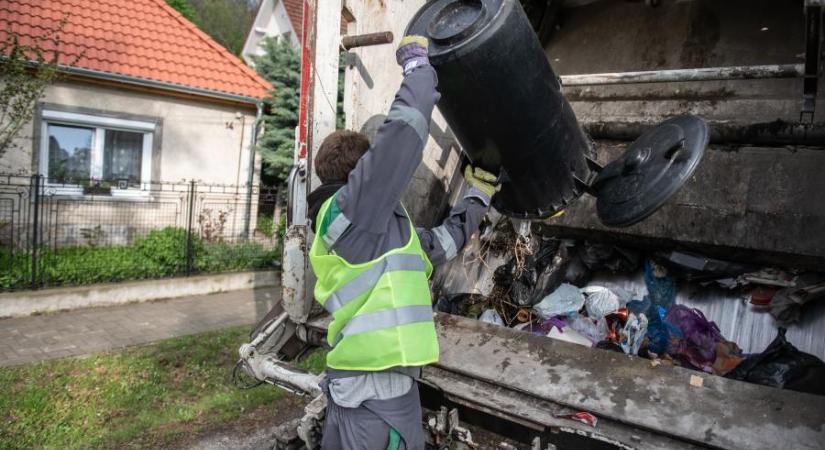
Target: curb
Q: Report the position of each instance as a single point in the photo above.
(25, 303)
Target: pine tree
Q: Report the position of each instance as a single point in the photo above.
(184, 8)
(281, 66)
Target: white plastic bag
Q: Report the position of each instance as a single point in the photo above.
(600, 301)
(569, 335)
(565, 300)
(491, 316)
(595, 331)
(633, 333)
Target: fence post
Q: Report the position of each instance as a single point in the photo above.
(35, 235)
(189, 225)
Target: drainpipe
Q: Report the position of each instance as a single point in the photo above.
(252, 144)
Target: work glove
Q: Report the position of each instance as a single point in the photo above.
(412, 52)
(483, 181)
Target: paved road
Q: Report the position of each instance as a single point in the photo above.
(34, 338)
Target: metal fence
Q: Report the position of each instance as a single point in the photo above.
(62, 234)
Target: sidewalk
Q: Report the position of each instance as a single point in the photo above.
(28, 339)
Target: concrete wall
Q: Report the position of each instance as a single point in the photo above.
(25, 303)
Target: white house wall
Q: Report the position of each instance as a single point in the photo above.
(272, 20)
(198, 140)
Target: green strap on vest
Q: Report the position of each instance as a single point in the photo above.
(382, 309)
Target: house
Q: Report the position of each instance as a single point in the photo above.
(275, 18)
(147, 99)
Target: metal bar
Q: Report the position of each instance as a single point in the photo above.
(247, 227)
(284, 375)
(679, 75)
(366, 40)
(35, 240)
(776, 133)
(158, 84)
(813, 23)
(189, 256)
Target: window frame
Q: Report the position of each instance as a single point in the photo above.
(100, 124)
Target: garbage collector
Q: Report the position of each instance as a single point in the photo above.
(373, 266)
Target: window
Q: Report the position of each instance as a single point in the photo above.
(77, 148)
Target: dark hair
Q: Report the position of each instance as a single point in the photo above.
(338, 155)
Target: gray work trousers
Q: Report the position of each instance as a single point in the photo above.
(367, 427)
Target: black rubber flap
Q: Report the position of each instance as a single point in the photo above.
(651, 171)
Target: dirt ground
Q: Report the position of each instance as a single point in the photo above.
(253, 432)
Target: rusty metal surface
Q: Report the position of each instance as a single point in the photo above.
(761, 205)
(366, 40)
(774, 133)
(540, 415)
(681, 75)
(722, 413)
(295, 297)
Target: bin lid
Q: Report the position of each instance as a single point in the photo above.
(449, 23)
(651, 171)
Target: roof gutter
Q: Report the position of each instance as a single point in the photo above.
(158, 85)
(253, 144)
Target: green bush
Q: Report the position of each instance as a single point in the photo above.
(87, 265)
(15, 270)
(264, 225)
(224, 257)
(166, 248)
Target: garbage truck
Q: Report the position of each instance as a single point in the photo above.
(664, 155)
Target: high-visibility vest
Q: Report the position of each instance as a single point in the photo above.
(381, 309)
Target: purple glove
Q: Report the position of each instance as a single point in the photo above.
(412, 52)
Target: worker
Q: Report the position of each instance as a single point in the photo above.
(373, 266)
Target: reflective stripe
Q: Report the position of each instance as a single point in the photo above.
(411, 117)
(336, 229)
(368, 278)
(445, 239)
(388, 318)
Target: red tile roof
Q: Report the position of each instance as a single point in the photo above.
(142, 39)
(295, 11)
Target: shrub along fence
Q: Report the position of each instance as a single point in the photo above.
(65, 234)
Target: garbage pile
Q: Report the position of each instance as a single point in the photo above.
(549, 295)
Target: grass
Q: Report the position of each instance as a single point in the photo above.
(162, 253)
(147, 397)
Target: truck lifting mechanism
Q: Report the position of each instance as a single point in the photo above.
(506, 107)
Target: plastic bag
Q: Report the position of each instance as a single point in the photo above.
(565, 300)
(596, 331)
(782, 365)
(633, 333)
(698, 348)
(600, 301)
(598, 256)
(491, 316)
(662, 337)
(661, 288)
(569, 335)
(546, 326)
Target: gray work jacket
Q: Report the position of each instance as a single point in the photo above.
(374, 222)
